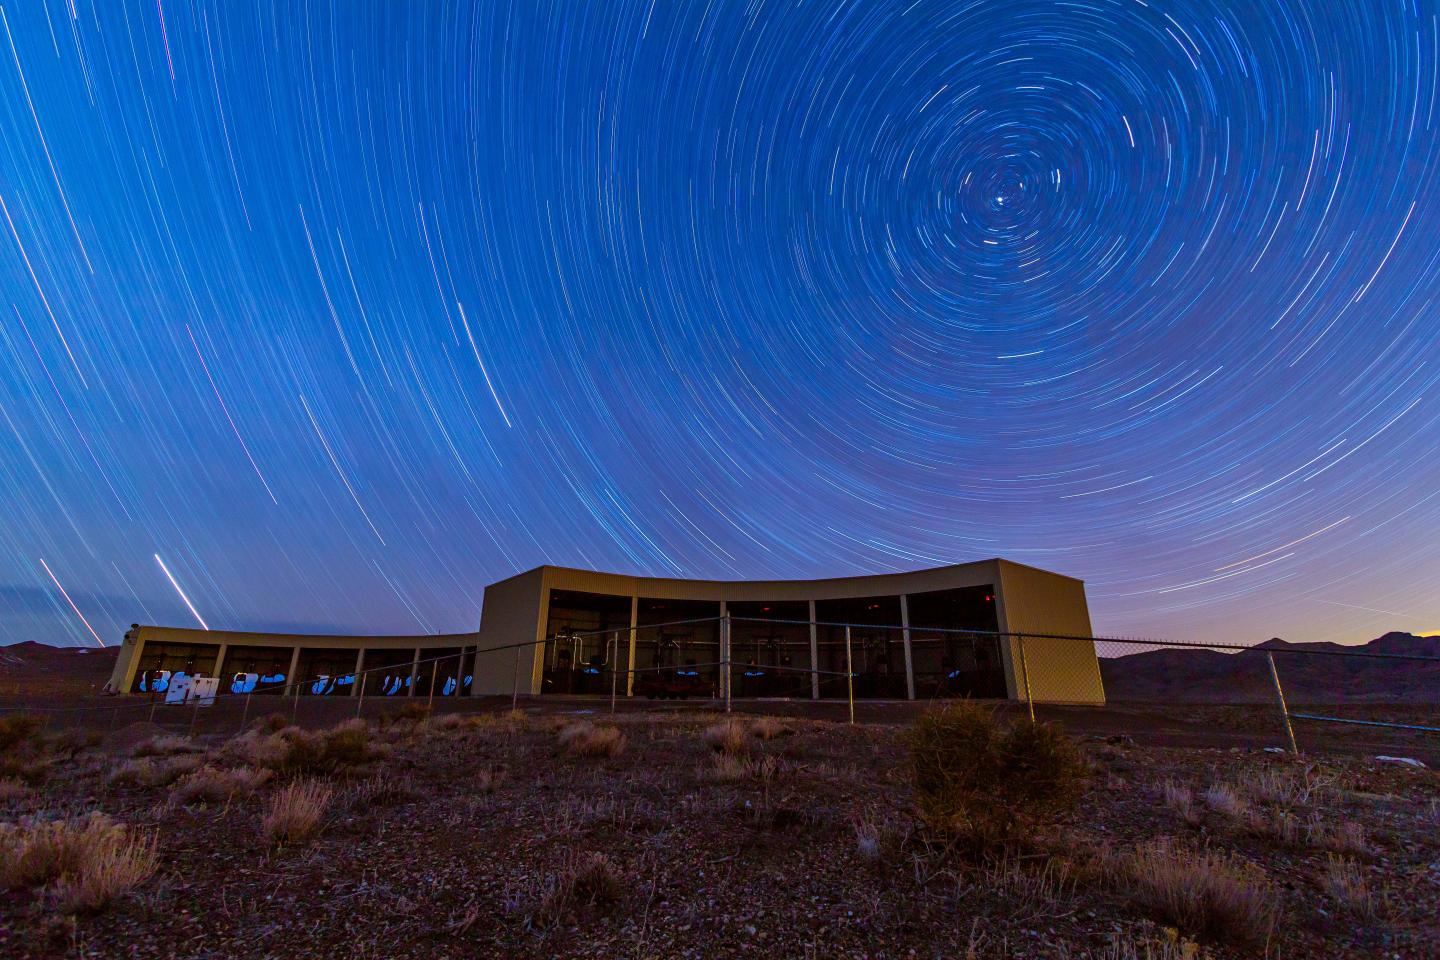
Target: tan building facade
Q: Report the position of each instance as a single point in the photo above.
(991, 629)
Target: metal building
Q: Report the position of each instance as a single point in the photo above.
(990, 629)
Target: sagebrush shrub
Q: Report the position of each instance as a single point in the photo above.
(980, 784)
(213, 785)
(154, 771)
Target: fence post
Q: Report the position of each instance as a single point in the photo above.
(434, 675)
(360, 700)
(1025, 676)
(194, 715)
(614, 662)
(295, 706)
(515, 690)
(1280, 697)
(849, 675)
(725, 677)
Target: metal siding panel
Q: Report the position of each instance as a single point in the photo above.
(1036, 601)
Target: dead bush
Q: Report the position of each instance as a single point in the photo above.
(296, 751)
(12, 788)
(1204, 894)
(19, 731)
(296, 812)
(215, 785)
(982, 785)
(166, 745)
(154, 772)
(347, 744)
(89, 860)
(22, 747)
(729, 737)
(413, 711)
(271, 723)
(588, 740)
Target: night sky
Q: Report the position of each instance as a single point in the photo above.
(346, 309)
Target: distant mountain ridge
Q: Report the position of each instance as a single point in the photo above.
(30, 667)
(1308, 674)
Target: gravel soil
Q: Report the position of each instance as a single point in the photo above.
(484, 837)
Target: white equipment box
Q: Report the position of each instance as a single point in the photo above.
(199, 691)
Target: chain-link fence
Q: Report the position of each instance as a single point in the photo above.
(1274, 696)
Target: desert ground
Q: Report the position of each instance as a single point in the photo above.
(560, 830)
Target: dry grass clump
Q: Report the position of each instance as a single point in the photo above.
(1345, 882)
(1205, 894)
(154, 771)
(296, 812)
(584, 879)
(729, 768)
(1227, 801)
(587, 740)
(166, 745)
(89, 861)
(214, 785)
(379, 792)
(1127, 947)
(1032, 892)
(1181, 799)
(878, 837)
(12, 788)
(726, 768)
(728, 737)
(768, 728)
(982, 785)
(1347, 836)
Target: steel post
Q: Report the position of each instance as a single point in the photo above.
(1280, 698)
(849, 675)
(1025, 676)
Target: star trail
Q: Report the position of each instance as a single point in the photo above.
(347, 309)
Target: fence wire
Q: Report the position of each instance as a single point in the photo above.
(1277, 696)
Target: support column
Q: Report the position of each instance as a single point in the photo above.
(905, 633)
(630, 672)
(220, 659)
(725, 665)
(814, 657)
(414, 669)
(291, 677)
(359, 671)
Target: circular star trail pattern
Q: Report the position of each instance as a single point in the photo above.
(346, 309)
